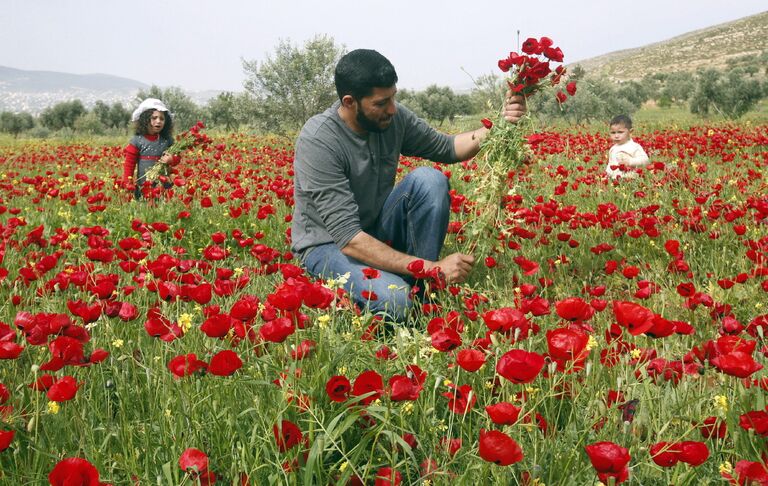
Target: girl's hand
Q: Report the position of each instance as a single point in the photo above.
(166, 159)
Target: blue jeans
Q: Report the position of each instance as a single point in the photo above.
(413, 220)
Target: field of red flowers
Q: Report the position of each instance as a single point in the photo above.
(614, 333)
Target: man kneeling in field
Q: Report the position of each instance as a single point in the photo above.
(349, 218)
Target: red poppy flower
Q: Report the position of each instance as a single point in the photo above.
(451, 446)
(487, 123)
(43, 383)
(316, 296)
(461, 399)
(225, 363)
(63, 389)
(499, 448)
(554, 54)
(246, 308)
(693, 452)
(217, 326)
(403, 388)
(193, 460)
(74, 471)
(758, 322)
(185, 365)
(665, 454)
(369, 295)
(128, 312)
(470, 359)
(737, 363)
(520, 366)
(214, 253)
(6, 436)
(636, 318)
(446, 339)
(748, 472)
(338, 388)
(531, 46)
(277, 330)
(529, 267)
(303, 350)
(574, 309)
(10, 350)
(571, 88)
(505, 319)
(503, 413)
(370, 273)
(756, 420)
(287, 435)
(713, 427)
(609, 460)
(368, 382)
(65, 350)
(386, 476)
(567, 343)
(416, 374)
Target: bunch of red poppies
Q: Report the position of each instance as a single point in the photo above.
(532, 68)
(186, 141)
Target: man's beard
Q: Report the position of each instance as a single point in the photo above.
(370, 125)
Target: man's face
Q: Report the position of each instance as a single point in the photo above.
(375, 112)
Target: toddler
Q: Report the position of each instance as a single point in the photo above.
(625, 155)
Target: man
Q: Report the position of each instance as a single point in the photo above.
(349, 217)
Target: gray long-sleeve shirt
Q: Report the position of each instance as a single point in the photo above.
(341, 178)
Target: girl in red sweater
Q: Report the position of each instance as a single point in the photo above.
(154, 134)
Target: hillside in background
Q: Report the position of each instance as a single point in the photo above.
(34, 91)
(705, 48)
(42, 81)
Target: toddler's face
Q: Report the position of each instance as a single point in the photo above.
(157, 122)
(620, 134)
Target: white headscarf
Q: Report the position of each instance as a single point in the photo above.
(148, 104)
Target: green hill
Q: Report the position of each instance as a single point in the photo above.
(711, 47)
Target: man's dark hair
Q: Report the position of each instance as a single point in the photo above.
(142, 124)
(361, 70)
(623, 120)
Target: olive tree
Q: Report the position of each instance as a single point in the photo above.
(62, 115)
(730, 94)
(15, 123)
(294, 83)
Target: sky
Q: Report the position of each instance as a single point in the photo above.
(199, 45)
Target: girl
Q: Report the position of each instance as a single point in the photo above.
(154, 134)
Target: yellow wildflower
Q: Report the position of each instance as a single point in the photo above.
(53, 408)
(323, 320)
(185, 322)
(117, 343)
(591, 343)
(721, 403)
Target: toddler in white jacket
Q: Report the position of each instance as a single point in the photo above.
(626, 155)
